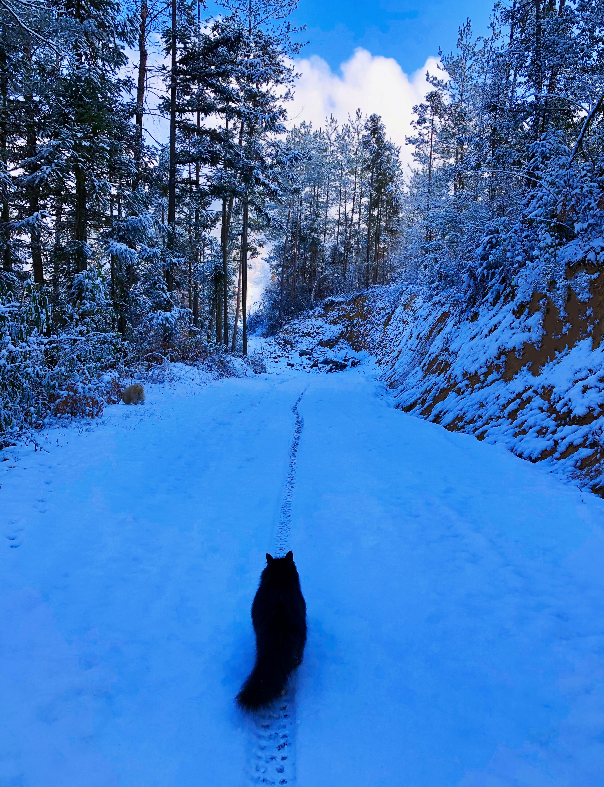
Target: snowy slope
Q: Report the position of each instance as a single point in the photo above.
(513, 368)
(454, 592)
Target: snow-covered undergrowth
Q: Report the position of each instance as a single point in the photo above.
(519, 367)
(47, 380)
(51, 372)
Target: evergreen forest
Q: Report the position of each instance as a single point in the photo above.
(120, 250)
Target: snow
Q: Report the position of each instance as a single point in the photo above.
(447, 362)
(454, 593)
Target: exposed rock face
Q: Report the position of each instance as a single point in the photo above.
(516, 368)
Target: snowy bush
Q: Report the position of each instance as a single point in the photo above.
(74, 372)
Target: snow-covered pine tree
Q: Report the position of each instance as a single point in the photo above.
(509, 151)
(335, 225)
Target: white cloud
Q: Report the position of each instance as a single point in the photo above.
(370, 83)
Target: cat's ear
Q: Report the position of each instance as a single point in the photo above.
(269, 558)
(290, 556)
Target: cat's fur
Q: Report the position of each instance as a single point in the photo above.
(279, 618)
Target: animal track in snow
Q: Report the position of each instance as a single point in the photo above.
(13, 536)
(270, 760)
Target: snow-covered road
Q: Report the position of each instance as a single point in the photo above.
(455, 596)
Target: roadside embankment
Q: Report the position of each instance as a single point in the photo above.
(518, 367)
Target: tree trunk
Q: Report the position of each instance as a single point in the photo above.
(244, 274)
(7, 264)
(33, 197)
(195, 304)
(538, 70)
(56, 254)
(81, 219)
(347, 240)
(357, 251)
(339, 217)
(296, 248)
(326, 212)
(172, 164)
(218, 303)
(113, 270)
(552, 81)
(369, 216)
(376, 252)
(35, 239)
(225, 270)
(140, 88)
(237, 309)
(197, 231)
(289, 211)
(429, 193)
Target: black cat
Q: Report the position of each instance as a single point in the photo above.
(279, 618)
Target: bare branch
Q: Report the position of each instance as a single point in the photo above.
(523, 175)
(562, 98)
(7, 7)
(583, 131)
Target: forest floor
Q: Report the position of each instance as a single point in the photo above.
(455, 595)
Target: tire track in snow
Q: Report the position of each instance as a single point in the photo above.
(270, 759)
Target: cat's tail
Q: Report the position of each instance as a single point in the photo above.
(266, 683)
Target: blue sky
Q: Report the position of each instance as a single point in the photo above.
(406, 30)
(372, 56)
